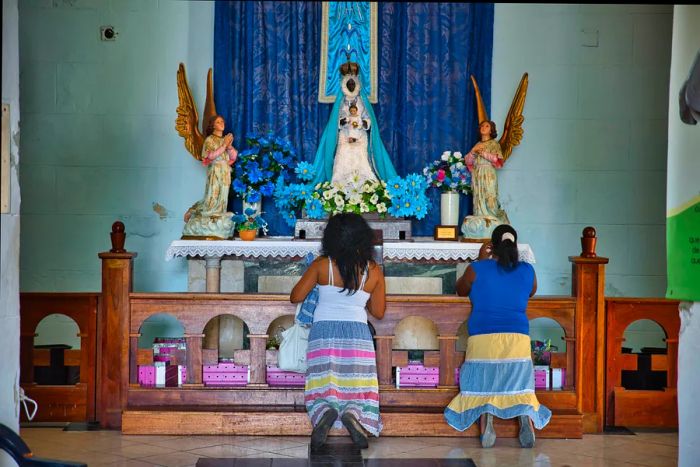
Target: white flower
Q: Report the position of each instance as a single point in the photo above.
(339, 201)
(374, 199)
(459, 164)
(364, 207)
(445, 156)
(355, 198)
(328, 194)
(381, 207)
(458, 154)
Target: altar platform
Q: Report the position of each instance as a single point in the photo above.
(415, 266)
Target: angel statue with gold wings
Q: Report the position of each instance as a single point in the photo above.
(208, 218)
(484, 158)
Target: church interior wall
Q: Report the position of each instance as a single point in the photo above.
(594, 151)
(10, 231)
(100, 143)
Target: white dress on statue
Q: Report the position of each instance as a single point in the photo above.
(351, 154)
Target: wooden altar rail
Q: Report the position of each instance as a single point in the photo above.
(168, 407)
(258, 409)
(641, 408)
(60, 402)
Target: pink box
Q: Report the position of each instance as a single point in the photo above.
(416, 375)
(277, 377)
(147, 375)
(541, 377)
(225, 374)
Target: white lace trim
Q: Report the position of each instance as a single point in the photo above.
(282, 247)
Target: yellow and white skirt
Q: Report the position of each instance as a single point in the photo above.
(497, 377)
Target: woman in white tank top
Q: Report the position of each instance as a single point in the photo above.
(341, 379)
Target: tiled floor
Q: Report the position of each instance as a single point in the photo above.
(99, 448)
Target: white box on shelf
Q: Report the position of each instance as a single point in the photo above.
(160, 374)
(558, 378)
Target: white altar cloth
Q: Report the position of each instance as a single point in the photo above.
(422, 248)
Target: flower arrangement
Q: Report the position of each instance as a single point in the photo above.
(541, 351)
(396, 197)
(449, 173)
(266, 160)
(249, 221)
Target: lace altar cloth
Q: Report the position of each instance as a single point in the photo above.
(422, 248)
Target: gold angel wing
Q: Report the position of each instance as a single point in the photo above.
(480, 107)
(187, 122)
(513, 126)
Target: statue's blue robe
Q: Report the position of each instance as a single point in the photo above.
(325, 154)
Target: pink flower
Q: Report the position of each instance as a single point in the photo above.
(440, 175)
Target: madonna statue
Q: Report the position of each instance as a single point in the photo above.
(350, 145)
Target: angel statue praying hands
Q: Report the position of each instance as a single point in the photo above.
(484, 158)
(208, 218)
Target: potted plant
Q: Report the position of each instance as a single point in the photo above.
(248, 224)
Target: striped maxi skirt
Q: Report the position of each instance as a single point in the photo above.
(497, 377)
(342, 373)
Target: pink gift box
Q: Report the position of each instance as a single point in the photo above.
(147, 375)
(541, 377)
(277, 377)
(225, 374)
(416, 375)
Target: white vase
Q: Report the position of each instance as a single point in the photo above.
(255, 206)
(449, 208)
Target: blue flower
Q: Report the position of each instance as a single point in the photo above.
(278, 156)
(248, 152)
(395, 186)
(249, 211)
(314, 209)
(254, 173)
(239, 218)
(265, 161)
(290, 218)
(253, 196)
(304, 171)
(267, 189)
(238, 186)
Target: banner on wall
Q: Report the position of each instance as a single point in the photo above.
(348, 33)
(683, 187)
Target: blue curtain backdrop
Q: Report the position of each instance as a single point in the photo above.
(266, 64)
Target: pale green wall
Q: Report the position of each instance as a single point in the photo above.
(594, 150)
(99, 142)
(98, 120)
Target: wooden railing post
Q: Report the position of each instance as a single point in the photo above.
(258, 356)
(113, 330)
(588, 287)
(133, 359)
(383, 354)
(194, 359)
(448, 362)
(26, 355)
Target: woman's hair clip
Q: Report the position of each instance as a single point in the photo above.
(507, 236)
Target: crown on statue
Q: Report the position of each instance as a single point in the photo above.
(350, 68)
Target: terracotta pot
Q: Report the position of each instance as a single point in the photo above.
(247, 234)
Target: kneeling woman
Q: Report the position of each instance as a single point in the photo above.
(497, 377)
(341, 378)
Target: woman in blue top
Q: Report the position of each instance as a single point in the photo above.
(497, 377)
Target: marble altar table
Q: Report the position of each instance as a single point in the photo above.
(421, 249)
